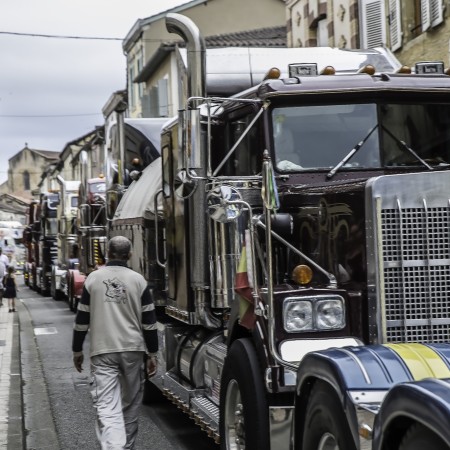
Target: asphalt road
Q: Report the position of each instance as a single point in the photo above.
(161, 425)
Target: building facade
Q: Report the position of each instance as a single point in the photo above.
(415, 30)
(212, 17)
(25, 170)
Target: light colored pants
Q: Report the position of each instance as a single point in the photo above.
(117, 389)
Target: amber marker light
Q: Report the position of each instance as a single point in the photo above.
(302, 274)
(404, 69)
(273, 74)
(368, 69)
(328, 70)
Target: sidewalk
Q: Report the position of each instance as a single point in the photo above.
(11, 413)
(26, 421)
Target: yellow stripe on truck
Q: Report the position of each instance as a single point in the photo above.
(422, 361)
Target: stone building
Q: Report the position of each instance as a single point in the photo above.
(25, 170)
(415, 30)
(213, 17)
(68, 164)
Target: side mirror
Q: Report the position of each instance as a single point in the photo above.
(224, 204)
(184, 185)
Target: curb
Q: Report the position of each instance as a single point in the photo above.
(39, 426)
(15, 405)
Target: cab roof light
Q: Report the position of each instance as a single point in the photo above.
(273, 74)
(303, 70)
(430, 67)
(328, 70)
(404, 70)
(367, 69)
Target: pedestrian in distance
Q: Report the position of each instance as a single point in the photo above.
(117, 309)
(2, 275)
(10, 286)
(3, 258)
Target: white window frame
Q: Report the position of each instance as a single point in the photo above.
(372, 17)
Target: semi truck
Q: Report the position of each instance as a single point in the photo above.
(67, 255)
(29, 269)
(40, 236)
(130, 145)
(296, 239)
(90, 232)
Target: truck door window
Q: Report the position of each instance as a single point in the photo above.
(247, 157)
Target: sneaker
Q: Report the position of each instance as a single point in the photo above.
(13, 310)
(10, 310)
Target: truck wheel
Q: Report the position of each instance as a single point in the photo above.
(326, 427)
(244, 412)
(419, 437)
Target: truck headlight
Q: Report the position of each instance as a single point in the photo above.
(321, 312)
(297, 315)
(330, 314)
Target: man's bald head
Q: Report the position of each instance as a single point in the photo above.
(119, 247)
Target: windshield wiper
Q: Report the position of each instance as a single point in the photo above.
(351, 153)
(405, 146)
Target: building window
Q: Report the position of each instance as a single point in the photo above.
(322, 33)
(26, 180)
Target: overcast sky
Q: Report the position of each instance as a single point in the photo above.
(52, 90)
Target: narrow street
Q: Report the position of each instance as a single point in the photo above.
(57, 408)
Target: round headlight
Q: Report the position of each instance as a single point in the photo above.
(330, 314)
(297, 316)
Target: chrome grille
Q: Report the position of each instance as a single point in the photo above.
(412, 275)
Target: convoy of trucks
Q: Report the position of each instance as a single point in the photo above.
(41, 242)
(67, 256)
(296, 237)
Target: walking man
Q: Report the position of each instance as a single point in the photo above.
(117, 308)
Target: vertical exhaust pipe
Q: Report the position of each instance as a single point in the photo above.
(196, 70)
(196, 52)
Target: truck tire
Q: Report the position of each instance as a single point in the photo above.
(326, 426)
(244, 412)
(419, 437)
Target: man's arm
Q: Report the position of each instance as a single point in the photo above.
(149, 330)
(81, 328)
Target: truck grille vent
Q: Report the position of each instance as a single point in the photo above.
(416, 261)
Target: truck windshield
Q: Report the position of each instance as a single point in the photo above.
(321, 137)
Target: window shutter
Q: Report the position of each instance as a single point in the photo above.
(163, 97)
(154, 107)
(373, 26)
(395, 24)
(146, 106)
(437, 12)
(425, 14)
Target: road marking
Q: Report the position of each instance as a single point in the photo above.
(46, 330)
